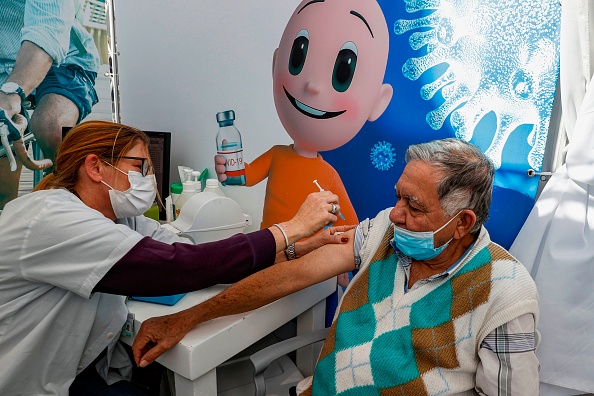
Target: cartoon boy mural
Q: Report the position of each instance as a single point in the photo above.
(327, 82)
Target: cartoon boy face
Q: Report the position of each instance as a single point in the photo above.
(328, 72)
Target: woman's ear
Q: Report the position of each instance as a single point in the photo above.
(465, 222)
(93, 167)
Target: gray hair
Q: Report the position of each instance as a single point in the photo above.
(467, 181)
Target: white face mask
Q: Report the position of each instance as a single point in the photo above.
(137, 199)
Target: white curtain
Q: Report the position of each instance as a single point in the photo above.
(556, 243)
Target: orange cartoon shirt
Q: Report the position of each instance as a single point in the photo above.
(290, 181)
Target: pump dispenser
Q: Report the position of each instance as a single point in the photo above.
(196, 180)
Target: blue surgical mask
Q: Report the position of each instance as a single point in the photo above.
(419, 245)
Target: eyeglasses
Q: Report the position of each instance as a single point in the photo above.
(145, 166)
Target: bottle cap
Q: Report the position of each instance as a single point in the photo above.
(225, 118)
(189, 186)
(212, 183)
(176, 188)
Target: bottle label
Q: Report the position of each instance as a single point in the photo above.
(233, 162)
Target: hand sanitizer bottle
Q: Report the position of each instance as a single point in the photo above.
(189, 190)
(212, 185)
(229, 146)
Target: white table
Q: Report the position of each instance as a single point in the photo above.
(195, 358)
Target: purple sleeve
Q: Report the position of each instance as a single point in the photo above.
(153, 268)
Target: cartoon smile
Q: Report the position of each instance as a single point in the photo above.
(310, 111)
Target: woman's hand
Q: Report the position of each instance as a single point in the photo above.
(329, 235)
(317, 210)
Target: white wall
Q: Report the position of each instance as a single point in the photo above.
(182, 61)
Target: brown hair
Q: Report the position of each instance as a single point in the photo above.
(107, 140)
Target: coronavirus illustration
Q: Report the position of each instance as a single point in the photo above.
(483, 56)
(383, 155)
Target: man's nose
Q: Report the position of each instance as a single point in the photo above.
(312, 88)
(397, 214)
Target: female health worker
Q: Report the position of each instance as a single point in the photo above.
(74, 247)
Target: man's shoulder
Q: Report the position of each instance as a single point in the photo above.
(508, 275)
(506, 261)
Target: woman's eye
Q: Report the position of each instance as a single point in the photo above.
(299, 52)
(344, 67)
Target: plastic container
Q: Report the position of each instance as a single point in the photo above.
(229, 146)
(213, 186)
(205, 217)
(188, 191)
(208, 217)
(175, 190)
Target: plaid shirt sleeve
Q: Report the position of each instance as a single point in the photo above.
(508, 363)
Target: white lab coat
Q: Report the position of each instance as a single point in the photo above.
(557, 241)
(54, 250)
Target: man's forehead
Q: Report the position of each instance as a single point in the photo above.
(418, 180)
(362, 10)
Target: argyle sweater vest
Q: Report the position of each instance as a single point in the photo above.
(384, 341)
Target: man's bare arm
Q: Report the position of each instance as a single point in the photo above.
(30, 68)
(159, 334)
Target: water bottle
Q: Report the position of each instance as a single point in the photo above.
(229, 146)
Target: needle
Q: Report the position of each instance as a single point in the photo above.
(321, 189)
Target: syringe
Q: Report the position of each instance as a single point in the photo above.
(321, 189)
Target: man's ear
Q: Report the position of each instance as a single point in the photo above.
(466, 220)
(93, 167)
(382, 102)
(274, 60)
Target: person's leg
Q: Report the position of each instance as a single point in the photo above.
(9, 181)
(64, 98)
(53, 112)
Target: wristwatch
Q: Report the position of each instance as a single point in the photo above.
(290, 252)
(13, 88)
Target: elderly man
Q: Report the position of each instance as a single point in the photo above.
(436, 308)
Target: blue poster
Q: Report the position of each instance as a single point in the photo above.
(480, 70)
